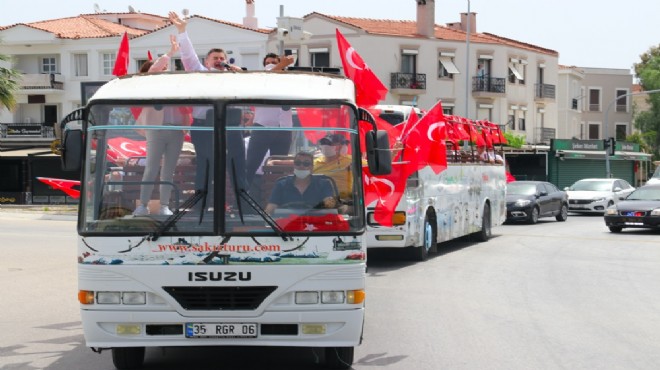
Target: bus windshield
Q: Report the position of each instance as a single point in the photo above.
(221, 169)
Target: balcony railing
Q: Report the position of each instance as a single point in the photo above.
(32, 81)
(544, 91)
(416, 81)
(489, 84)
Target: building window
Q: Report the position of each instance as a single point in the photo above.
(594, 131)
(80, 65)
(48, 65)
(448, 110)
(446, 66)
(319, 57)
(521, 119)
(408, 61)
(178, 64)
(621, 101)
(139, 63)
(594, 100)
(621, 131)
(517, 71)
(511, 122)
(108, 60)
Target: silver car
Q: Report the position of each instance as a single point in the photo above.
(595, 195)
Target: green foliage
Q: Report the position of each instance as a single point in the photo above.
(513, 140)
(648, 72)
(8, 83)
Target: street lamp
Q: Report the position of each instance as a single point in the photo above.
(608, 173)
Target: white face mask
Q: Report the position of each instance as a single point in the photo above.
(328, 150)
(268, 67)
(343, 150)
(301, 174)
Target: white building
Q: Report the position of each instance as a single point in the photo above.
(421, 62)
(64, 60)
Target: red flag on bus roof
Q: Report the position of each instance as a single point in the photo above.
(121, 62)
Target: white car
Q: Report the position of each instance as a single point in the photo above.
(655, 179)
(595, 195)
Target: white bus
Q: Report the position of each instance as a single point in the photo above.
(468, 198)
(207, 265)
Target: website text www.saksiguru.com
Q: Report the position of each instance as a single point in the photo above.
(206, 247)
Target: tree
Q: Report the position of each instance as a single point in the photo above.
(8, 83)
(648, 73)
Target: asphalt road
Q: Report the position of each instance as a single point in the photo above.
(548, 296)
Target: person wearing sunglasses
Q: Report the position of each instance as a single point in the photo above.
(336, 163)
(302, 190)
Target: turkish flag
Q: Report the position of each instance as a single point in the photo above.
(121, 62)
(475, 135)
(485, 133)
(386, 190)
(121, 148)
(330, 222)
(369, 90)
(318, 118)
(424, 141)
(63, 184)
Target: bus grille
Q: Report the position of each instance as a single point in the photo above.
(220, 298)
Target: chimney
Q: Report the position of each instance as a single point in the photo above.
(426, 18)
(473, 22)
(250, 20)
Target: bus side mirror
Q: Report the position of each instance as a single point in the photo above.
(379, 157)
(72, 150)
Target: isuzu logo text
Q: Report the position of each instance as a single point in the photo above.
(220, 276)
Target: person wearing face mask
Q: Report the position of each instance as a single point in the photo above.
(216, 60)
(336, 163)
(277, 142)
(302, 190)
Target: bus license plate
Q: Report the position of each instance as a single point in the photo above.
(221, 330)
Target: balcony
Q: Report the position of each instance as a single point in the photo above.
(488, 86)
(408, 83)
(544, 92)
(41, 81)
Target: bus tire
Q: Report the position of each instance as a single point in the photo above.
(485, 233)
(339, 357)
(125, 358)
(429, 240)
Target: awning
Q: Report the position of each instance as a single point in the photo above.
(515, 71)
(449, 65)
(595, 154)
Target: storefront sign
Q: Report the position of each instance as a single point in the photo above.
(11, 197)
(23, 130)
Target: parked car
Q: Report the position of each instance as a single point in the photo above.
(641, 209)
(530, 200)
(655, 179)
(595, 195)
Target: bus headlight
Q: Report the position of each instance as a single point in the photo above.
(332, 296)
(307, 297)
(133, 298)
(108, 298)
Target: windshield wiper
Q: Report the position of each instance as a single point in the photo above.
(183, 208)
(240, 193)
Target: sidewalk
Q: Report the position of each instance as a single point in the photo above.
(40, 212)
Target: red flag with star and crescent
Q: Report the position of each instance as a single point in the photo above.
(369, 90)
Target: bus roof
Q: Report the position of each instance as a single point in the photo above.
(228, 85)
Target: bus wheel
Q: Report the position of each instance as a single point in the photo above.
(429, 244)
(128, 357)
(486, 231)
(339, 357)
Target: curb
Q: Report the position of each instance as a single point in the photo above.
(37, 216)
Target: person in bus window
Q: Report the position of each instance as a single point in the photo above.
(488, 156)
(216, 60)
(302, 190)
(162, 145)
(276, 141)
(336, 163)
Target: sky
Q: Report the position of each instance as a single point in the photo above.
(586, 33)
